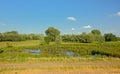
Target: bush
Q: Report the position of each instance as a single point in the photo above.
(110, 37)
(1, 51)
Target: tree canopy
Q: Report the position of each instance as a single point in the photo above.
(52, 33)
(110, 37)
(96, 32)
(15, 36)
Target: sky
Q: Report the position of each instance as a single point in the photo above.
(69, 16)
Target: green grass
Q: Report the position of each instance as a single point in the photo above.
(13, 51)
(93, 58)
(20, 43)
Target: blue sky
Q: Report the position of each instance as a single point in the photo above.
(69, 16)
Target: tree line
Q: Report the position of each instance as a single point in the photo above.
(93, 36)
(54, 35)
(15, 36)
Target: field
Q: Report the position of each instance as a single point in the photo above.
(64, 58)
(63, 66)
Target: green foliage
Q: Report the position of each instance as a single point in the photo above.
(110, 37)
(96, 32)
(15, 36)
(98, 52)
(52, 33)
(68, 38)
(99, 38)
(1, 36)
(107, 49)
(11, 36)
(87, 38)
(58, 39)
(47, 39)
(83, 38)
(42, 41)
(34, 36)
(104, 53)
(1, 51)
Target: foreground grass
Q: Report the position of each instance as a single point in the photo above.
(62, 66)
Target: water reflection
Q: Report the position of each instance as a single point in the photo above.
(33, 51)
(78, 55)
(69, 53)
(38, 51)
(72, 54)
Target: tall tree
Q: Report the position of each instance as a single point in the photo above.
(11, 36)
(97, 35)
(96, 32)
(53, 34)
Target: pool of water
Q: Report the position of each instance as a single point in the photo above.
(33, 51)
(72, 54)
(38, 52)
(69, 53)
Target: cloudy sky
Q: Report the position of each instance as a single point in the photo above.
(69, 16)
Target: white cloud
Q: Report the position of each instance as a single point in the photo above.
(73, 29)
(118, 13)
(71, 18)
(87, 27)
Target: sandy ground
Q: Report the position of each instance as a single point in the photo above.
(61, 68)
(77, 71)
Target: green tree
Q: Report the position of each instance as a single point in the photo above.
(65, 38)
(71, 38)
(42, 41)
(87, 38)
(84, 37)
(90, 38)
(99, 38)
(97, 35)
(53, 34)
(11, 36)
(15, 36)
(110, 37)
(96, 32)
(1, 37)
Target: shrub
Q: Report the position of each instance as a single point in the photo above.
(1, 51)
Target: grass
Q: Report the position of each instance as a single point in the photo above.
(100, 58)
(15, 49)
(62, 66)
(20, 43)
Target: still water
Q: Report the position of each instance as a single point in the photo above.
(32, 51)
(38, 51)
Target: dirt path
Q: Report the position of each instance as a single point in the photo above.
(61, 68)
(59, 64)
